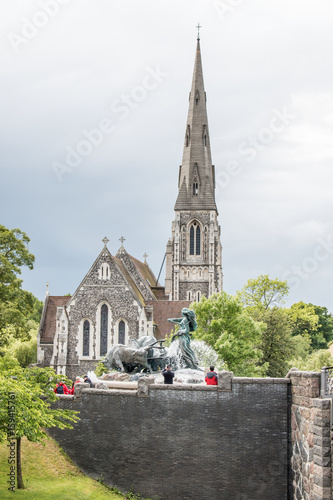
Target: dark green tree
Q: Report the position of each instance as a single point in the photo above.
(15, 304)
(277, 343)
(325, 323)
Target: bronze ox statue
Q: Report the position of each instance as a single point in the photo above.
(142, 355)
(120, 356)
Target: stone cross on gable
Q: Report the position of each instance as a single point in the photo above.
(145, 257)
(122, 239)
(105, 241)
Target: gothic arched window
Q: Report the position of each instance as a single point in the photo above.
(104, 330)
(86, 338)
(197, 245)
(195, 188)
(195, 239)
(121, 332)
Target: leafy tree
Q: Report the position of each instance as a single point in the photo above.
(25, 406)
(15, 303)
(325, 322)
(277, 343)
(304, 321)
(37, 310)
(314, 362)
(302, 346)
(26, 352)
(234, 335)
(262, 292)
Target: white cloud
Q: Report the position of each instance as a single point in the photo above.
(261, 56)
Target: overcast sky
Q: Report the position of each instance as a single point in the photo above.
(70, 67)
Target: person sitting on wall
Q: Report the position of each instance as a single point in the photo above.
(87, 380)
(168, 375)
(61, 388)
(78, 379)
(211, 377)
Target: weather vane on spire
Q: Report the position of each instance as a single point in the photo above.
(198, 30)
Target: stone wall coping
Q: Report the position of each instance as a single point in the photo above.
(293, 372)
(117, 384)
(255, 380)
(65, 396)
(183, 387)
(110, 392)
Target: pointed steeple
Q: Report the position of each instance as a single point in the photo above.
(196, 175)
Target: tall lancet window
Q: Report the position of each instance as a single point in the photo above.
(195, 187)
(121, 332)
(104, 330)
(86, 338)
(195, 239)
(197, 97)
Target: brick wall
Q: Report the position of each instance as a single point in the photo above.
(185, 442)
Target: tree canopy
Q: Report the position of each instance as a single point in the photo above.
(15, 304)
(25, 405)
(224, 325)
(263, 292)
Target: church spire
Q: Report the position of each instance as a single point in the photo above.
(196, 174)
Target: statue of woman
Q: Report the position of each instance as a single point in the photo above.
(186, 324)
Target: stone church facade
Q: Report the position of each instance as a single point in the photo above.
(120, 299)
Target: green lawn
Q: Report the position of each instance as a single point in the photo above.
(49, 474)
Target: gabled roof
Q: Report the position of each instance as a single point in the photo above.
(129, 280)
(140, 272)
(48, 327)
(145, 270)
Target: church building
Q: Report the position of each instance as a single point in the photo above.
(119, 299)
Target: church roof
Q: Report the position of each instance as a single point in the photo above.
(145, 270)
(196, 168)
(48, 326)
(130, 281)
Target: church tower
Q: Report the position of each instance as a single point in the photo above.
(194, 251)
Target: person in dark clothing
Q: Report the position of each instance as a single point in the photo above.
(211, 377)
(87, 380)
(61, 388)
(168, 375)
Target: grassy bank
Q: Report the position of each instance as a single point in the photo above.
(49, 474)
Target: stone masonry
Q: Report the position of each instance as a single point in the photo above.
(311, 459)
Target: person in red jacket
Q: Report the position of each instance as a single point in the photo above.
(61, 388)
(211, 377)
